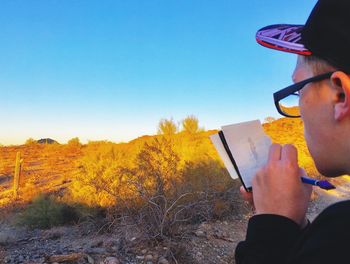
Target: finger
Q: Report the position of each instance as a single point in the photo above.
(289, 154)
(247, 196)
(274, 152)
(302, 172)
(308, 189)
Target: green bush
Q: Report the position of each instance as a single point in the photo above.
(46, 212)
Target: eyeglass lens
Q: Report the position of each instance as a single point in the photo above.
(290, 105)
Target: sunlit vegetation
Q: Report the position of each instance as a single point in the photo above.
(167, 127)
(154, 182)
(31, 141)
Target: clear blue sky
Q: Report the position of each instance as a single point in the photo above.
(112, 69)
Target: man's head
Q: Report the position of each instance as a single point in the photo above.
(323, 46)
(325, 110)
(318, 65)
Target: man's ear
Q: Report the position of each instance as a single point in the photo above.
(341, 87)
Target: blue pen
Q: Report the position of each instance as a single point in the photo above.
(326, 185)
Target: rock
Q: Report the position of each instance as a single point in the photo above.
(111, 242)
(8, 236)
(144, 251)
(90, 259)
(111, 260)
(200, 233)
(114, 249)
(111, 249)
(96, 250)
(65, 258)
(163, 260)
(96, 243)
(155, 255)
(148, 257)
(52, 234)
(112, 245)
(7, 259)
(57, 252)
(199, 255)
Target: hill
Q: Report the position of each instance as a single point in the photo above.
(47, 141)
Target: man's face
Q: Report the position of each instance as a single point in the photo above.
(318, 117)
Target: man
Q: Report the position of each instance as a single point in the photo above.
(279, 231)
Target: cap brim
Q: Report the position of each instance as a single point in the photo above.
(283, 37)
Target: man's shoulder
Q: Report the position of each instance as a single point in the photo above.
(327, 238)
(339, 212)
(331, 227)
(339, 207)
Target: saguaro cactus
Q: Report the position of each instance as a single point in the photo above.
(17, 174)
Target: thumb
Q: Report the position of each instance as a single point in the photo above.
(247, 196)
(302, 172)
(307, 187)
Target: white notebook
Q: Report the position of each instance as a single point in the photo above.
(244, 148)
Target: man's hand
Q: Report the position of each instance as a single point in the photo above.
(277, 187)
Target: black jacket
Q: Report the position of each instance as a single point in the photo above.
(277, 239)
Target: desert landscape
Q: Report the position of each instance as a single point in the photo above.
(165, 198)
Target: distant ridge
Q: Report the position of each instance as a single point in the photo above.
(47, 141)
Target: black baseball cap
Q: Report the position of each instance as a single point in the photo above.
(326, 34)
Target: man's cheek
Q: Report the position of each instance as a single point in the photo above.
(309, 140)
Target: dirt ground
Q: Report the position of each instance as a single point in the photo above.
(208, 242)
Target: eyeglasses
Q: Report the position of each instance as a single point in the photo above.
(287, 99)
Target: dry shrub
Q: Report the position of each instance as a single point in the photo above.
(154, 182)
(31, 142)
(97, 181)
(220, 208)
(206, 175)
(160, 190)
(74, 143)
(163, 195)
